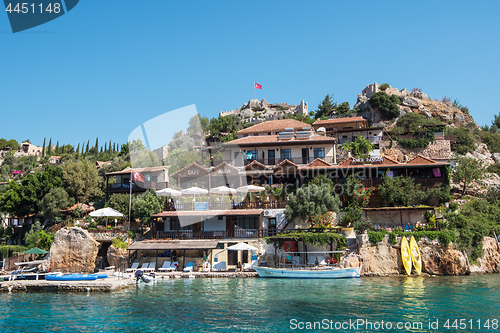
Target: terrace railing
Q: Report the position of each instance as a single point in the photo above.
(219, 205)
(216, 234)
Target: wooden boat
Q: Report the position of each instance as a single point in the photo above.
(415, 255)
(405, 255)
(326, 273)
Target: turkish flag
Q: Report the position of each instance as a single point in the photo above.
(258, 86)
(137, 177)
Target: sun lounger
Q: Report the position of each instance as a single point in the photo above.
(165, 266)
(133, 268)
(152, 266)
(173, 266)
(144, 267)
(189, 267)
(219, 266)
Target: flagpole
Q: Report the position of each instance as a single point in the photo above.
(130, 200)
(254, 90)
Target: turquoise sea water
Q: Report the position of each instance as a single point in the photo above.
(263, 305)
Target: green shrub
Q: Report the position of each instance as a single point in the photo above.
(376, 236)
(414, 143)
(464, 140)
(384, 86)
(495, 168)
(119, 243)
(387, 105)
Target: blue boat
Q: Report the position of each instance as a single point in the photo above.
(70, 277)
(100, 275)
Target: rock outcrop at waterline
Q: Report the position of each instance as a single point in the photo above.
(73, 251)
(384, 259)
(116, 255)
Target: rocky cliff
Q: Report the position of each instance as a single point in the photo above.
(384, 259)
(73, 250)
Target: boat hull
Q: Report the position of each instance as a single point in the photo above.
(405, 255)
(70, 277)
(415, 256)
(345, 273)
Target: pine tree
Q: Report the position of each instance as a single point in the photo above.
(43, 148)
(49, 148)
(325, 107)
(87, 149)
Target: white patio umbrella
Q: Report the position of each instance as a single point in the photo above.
(168, 192)
(223, 190)
(250, 188)
(194, 191)
(241, 247)
(106, 212)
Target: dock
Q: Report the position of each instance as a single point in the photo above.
(109, 284)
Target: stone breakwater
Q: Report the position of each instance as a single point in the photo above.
(105, 285)
(384, 259)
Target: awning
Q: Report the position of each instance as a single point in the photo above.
(174, 245)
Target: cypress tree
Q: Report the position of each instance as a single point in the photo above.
(105, 147)
(57, 147)
(101, 149)
(87, 149)
(114, 147)
(78, 149)
(96, 143)
(43, 148)
(49, 148)
(109, 146)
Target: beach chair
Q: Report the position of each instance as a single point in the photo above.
(133, 268)
(144, 267)
(173, 266)
(165, 266)
(189, 267)
(219, 266)
(152, 266)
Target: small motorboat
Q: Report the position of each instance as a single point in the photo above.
(70, 277)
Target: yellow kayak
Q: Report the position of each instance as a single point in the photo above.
(405, 255)
(415, 255)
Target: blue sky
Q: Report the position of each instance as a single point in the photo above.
(107, 67)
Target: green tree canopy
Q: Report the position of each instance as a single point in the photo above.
(325, 107)
(311, 199)
(360, 148)
(120, 202)
(467, 170)
(464, 140)
(147, 204)
(54, 201)
(387, 105)
(82, 179)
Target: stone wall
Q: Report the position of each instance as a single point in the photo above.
(439, 149)
(384, 259)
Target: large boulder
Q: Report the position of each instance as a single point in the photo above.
(489, 262)
(116, 255)
(380, 259)
(74, 251)
(419, 95)
(411, 102)
(438, 259)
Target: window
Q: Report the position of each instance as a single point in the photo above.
(319, 153)
(286, 154)
(252, 155)
(147, 178)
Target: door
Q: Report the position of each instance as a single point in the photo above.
(305, 155)
(230, 227)
(271, 156)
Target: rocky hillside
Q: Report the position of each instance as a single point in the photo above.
(418, 102)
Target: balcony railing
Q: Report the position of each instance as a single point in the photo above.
(216, 205)
(275, 161)
(372, 139)
(216, 234)
(124, 187)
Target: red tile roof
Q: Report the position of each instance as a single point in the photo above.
(274, 125)
(419, 159)
(339, 121)
(249, 140)
(255, 165)
(194, 164)
(285, 162)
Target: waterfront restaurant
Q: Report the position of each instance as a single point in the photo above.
(155, 178)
